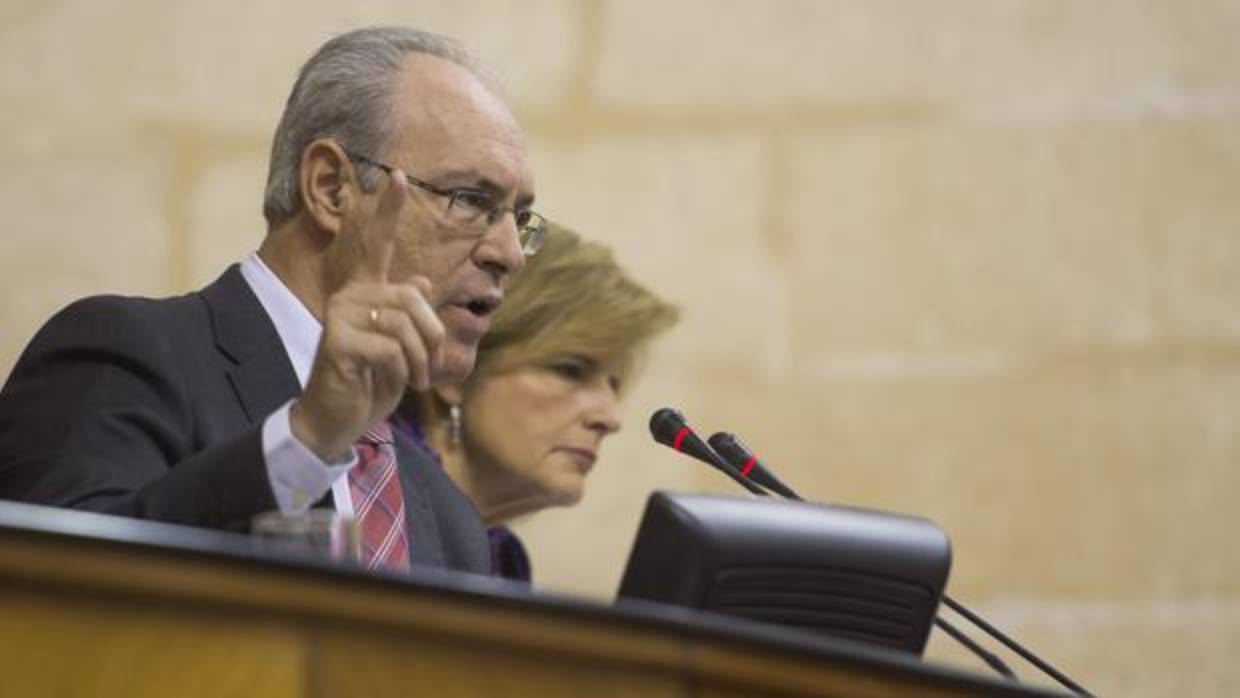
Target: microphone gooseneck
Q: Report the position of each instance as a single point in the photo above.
(740, 457)
(1015, 646)
(669, 427)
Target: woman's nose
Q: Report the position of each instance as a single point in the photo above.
(603, 413)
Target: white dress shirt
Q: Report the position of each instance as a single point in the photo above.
(299, 478)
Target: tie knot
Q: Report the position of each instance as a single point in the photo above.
(377, 435)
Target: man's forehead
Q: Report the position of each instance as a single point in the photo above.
(442, 110)
(434, 92)
(429, 74)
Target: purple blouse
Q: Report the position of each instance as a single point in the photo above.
(508, 556)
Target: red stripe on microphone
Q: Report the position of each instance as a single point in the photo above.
(680, 437)
(749, 466)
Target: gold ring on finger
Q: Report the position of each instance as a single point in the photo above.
(374, 318)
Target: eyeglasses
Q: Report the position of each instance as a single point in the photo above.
(477, 210)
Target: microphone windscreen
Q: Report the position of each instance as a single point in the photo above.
(726, 445)
(669, 427)
(665, 424)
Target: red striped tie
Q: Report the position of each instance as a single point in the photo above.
(378, 504)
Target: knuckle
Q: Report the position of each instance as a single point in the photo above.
(335, 305)
(437, 333)
(409, 296)
(417, 353)
(398, 365)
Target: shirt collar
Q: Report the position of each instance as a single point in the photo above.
(298, 329)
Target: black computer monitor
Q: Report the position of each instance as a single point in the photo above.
(846, 572)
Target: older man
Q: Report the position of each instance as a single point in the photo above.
(397, 206)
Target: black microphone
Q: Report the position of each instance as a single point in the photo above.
(668, 427)
(740, 457)
(989, 657)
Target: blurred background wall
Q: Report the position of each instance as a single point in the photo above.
(977, 260)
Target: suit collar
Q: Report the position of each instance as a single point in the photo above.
(262, 376)
(299, 330)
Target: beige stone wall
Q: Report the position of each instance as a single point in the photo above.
(977, 260)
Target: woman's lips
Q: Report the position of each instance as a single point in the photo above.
(583, 457)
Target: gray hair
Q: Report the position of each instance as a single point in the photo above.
(345, 92)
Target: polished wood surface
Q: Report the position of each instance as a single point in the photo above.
(98, 606)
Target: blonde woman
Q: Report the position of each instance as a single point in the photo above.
(525, 430)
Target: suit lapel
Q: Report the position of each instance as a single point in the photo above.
(425, 538)
(262, 376)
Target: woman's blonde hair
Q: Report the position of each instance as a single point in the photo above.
(572, 298)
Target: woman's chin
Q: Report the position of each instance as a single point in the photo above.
(567, 491)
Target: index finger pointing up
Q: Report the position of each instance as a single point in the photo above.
(379, 233)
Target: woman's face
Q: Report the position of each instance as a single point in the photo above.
(531, 434)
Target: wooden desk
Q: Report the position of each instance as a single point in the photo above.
(95, 605)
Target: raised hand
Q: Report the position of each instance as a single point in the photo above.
(378, 338)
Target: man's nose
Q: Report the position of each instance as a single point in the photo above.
(500, 250)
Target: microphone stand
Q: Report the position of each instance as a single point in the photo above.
(1013, 645)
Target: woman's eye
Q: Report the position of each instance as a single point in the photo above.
(570, 369)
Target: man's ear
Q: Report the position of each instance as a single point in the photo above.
(327, 181)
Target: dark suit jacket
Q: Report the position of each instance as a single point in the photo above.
(154, 409)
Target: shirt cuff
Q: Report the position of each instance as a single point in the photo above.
(299, 478)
